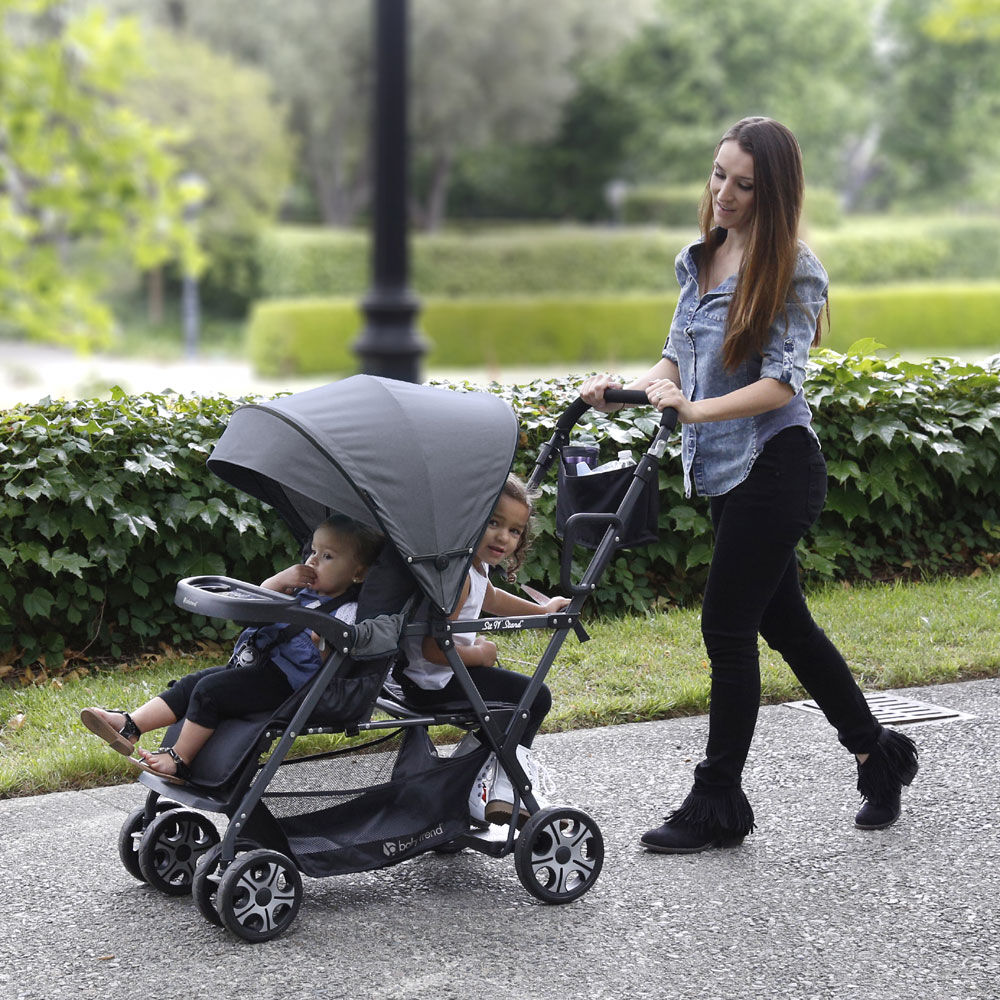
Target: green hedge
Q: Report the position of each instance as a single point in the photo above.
(308, 262)
(913, 452)
(107, 504)
(310, 336)
(663, 205)
(596, 261)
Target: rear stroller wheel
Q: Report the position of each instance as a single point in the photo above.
(170, 848)
(205, 884)
(559, 854)
(259, 895)
(130, 836)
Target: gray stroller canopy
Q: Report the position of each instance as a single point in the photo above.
(425, 466)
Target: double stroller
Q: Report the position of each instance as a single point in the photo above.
(424, 466)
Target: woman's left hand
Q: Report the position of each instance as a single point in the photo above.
(662, 393)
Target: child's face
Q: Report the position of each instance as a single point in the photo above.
(334, 560)
(505, 529)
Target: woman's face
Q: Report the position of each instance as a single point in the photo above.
(732, 188)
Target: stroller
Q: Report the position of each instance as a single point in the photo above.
(384, 453)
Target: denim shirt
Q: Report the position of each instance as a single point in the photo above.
(718, 456)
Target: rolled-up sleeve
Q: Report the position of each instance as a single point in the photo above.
(787, 350)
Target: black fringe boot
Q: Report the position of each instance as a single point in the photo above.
(705, 819)
(890, 765)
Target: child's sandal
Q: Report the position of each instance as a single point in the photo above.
(180, 777)
(123, 740)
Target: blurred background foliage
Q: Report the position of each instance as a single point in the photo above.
(134, 131)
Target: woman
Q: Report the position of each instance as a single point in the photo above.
(751, 304)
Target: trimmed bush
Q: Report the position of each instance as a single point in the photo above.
(941, 316)
(869, 260)
(107, 504)
(592, 260)
(973, 248)
(310, 336)
(315, 336)
(676, 205)
(663, 205)
(913, 452)
(297, 262)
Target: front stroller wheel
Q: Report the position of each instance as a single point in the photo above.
(130, 836)
(259, 895)
(170, 848)
(205, 884)
(559, 854)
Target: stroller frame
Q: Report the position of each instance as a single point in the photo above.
(255, 891)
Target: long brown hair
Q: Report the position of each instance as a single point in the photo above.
(764, 282)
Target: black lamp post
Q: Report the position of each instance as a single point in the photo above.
(389, 345)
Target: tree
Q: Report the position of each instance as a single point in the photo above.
(502, 76)
(495, 71)
(229, 131)
(940, 107)
(965, 20)
(83, 178)
(654, 109)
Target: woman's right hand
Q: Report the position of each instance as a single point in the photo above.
(592, 392)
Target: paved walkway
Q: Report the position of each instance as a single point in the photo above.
(808, 907)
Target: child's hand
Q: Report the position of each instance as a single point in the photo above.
(292, 579)
(556, 604)
(488, 651)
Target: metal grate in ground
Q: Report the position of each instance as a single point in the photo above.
(891, 709)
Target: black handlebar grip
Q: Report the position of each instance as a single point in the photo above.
(633, 397)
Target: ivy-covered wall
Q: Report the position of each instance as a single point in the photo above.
(106, 504)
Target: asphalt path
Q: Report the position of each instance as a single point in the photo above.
(809, 907)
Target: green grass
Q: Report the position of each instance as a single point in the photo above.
(633, 669)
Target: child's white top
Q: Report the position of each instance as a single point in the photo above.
(433, 676)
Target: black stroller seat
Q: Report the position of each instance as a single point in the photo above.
(455, 712)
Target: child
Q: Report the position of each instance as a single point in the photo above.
(341, 552)
(427, 678)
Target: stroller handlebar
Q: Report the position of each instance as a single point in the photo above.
(630, 397)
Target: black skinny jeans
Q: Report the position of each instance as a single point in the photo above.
(753, 588)
(494, 684)
(206, 696)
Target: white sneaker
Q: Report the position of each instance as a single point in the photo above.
(480, 791)
(500, 797)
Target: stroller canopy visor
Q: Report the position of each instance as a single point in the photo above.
(425, 466)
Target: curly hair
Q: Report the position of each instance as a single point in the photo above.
(516, 490)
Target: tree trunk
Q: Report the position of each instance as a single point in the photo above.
(154, 295)
(437, 199)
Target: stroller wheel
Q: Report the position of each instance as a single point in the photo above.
(205, 884)
(131, 834)
(558, 854)
(170, 848)
(259, 895)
